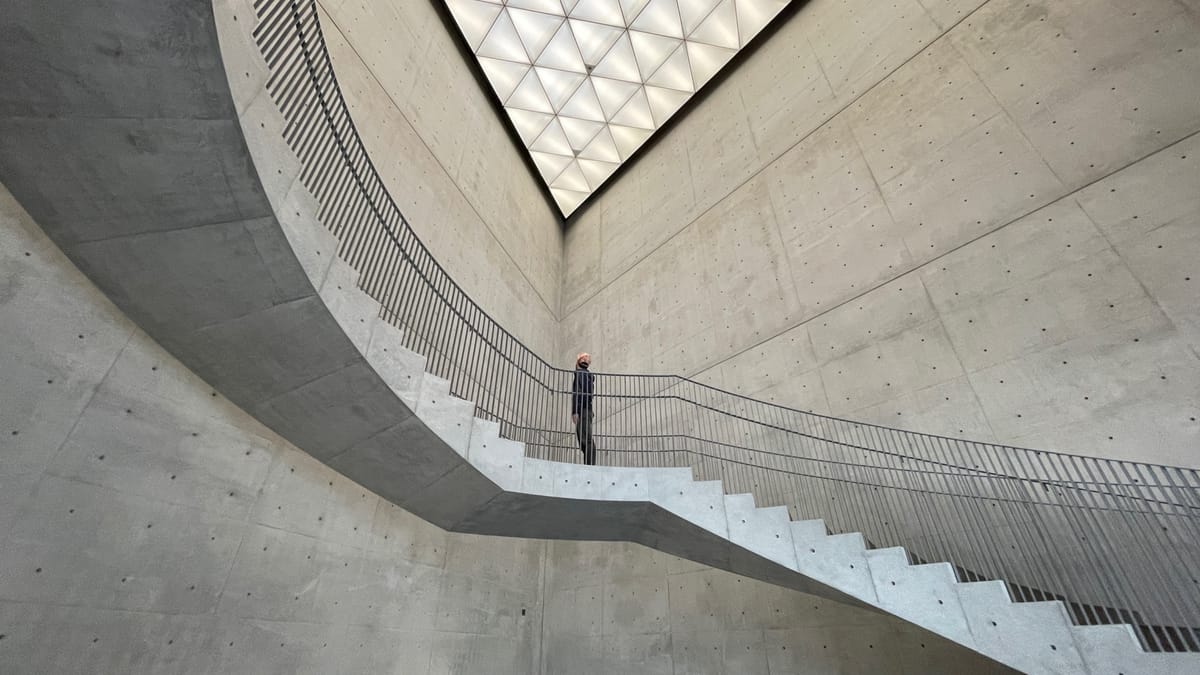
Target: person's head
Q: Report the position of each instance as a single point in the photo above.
(583, 360)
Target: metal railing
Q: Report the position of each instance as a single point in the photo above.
(1117, 541)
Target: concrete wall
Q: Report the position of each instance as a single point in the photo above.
(972, 218)
(147, 525)
(447, 161)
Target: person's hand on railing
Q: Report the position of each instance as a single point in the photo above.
(575, 419)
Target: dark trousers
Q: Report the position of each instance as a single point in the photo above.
(583, 432)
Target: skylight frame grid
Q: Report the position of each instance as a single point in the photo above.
(582, 115)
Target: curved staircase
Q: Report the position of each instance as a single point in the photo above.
(285, 290)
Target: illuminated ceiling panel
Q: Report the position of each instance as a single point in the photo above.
(586, 82)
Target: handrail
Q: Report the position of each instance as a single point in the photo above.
(1115, 539)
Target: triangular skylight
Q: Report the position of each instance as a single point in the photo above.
(586, 82)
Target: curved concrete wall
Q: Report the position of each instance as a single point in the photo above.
(147, 525)
(979, 219)
(447, 161)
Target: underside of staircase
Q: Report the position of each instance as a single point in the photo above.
(249, 293)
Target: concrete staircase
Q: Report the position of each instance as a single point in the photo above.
(1033, 637)
(472, 480)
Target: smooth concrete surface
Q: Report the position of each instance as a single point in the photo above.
(147, 525)
(346, 414)
(977, 219)
(167, 214)
(446, 159)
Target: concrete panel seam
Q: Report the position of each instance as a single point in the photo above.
(902, 275)
(1008, 114)
(91, 396)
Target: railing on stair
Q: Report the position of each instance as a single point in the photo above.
(1117, 541)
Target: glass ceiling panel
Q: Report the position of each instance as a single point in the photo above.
(586, 82)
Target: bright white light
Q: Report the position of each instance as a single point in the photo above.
(586, 82)
(675, 72)
(636, 112)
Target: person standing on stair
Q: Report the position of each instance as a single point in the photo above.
(583, 387)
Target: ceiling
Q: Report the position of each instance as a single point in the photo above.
(587, 82)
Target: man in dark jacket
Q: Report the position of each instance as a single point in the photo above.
(583, 387)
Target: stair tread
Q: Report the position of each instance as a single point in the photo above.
(843, 560)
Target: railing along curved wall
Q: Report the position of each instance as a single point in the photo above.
(1117, 541)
